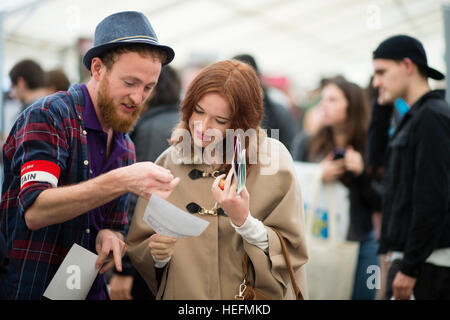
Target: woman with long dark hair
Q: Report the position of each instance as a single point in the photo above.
(340, 146)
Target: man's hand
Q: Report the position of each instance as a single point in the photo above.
(403, 286)
(108, 241)
(161, 247)
(147, 178)
(120, 287)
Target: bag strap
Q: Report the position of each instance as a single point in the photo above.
(298, 293)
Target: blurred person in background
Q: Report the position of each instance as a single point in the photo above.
(340, 145)
(276, 116)
(154, 127)
(56, 80)
(150, 136)
(312, 118)
(416, 160)
(27, 82)
(69, 162)
(280, 88)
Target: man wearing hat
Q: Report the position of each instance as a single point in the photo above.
(416, 207)
(69, 164)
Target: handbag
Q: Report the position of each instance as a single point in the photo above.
(332, 260)
(248, 292)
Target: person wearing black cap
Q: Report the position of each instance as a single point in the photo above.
(416, 212)
(69, 162)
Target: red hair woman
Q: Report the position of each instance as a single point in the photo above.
(224, 97)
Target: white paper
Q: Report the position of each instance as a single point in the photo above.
(168, 220)
(75, 276)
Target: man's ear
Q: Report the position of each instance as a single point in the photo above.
(410, 66)
(22, 84)
(97, 68)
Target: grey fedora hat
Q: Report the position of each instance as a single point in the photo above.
(124, 28)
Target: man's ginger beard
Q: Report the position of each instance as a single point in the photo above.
(109, 111)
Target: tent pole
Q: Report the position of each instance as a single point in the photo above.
(446, 13)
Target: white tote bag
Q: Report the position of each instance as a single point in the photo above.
(332, 260)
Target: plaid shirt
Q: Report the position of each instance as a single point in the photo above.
(51, 131)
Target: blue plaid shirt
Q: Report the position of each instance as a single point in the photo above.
(51, 129)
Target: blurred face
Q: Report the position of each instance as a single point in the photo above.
(18, 90)
(390, 79)
(124, 90)
(211, 115)
(333, 105)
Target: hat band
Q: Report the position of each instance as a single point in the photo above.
(131, 38)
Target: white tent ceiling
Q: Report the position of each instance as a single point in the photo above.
(301, 39)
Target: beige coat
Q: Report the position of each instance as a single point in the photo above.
(210, 266)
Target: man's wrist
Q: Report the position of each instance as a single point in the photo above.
(109, 231)
(118, 177)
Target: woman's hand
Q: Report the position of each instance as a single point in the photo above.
(161, 247)
(353, 161)
(236, 206)
(332, 169)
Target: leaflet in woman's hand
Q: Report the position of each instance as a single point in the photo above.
(169, 220)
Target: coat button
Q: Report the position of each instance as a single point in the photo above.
(88, 230)
(86, 162)
(84, 132)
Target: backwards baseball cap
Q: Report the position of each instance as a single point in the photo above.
(124, 28)
(403, 46)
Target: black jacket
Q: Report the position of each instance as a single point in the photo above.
(364, 193)
(416, 202)
(276, 116)
(152, 131)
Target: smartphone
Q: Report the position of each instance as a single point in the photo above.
(338, 153)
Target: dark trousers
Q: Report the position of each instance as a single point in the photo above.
(140, 290)
(367, 256)
(432, 284)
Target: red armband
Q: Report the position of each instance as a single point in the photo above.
(39, 171)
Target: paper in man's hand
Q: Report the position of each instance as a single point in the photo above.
(168, 220)
(75, 276)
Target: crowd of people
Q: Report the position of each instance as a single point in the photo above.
(82, 162)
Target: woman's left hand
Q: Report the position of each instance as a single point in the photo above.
(235, 205)
(354, 161)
